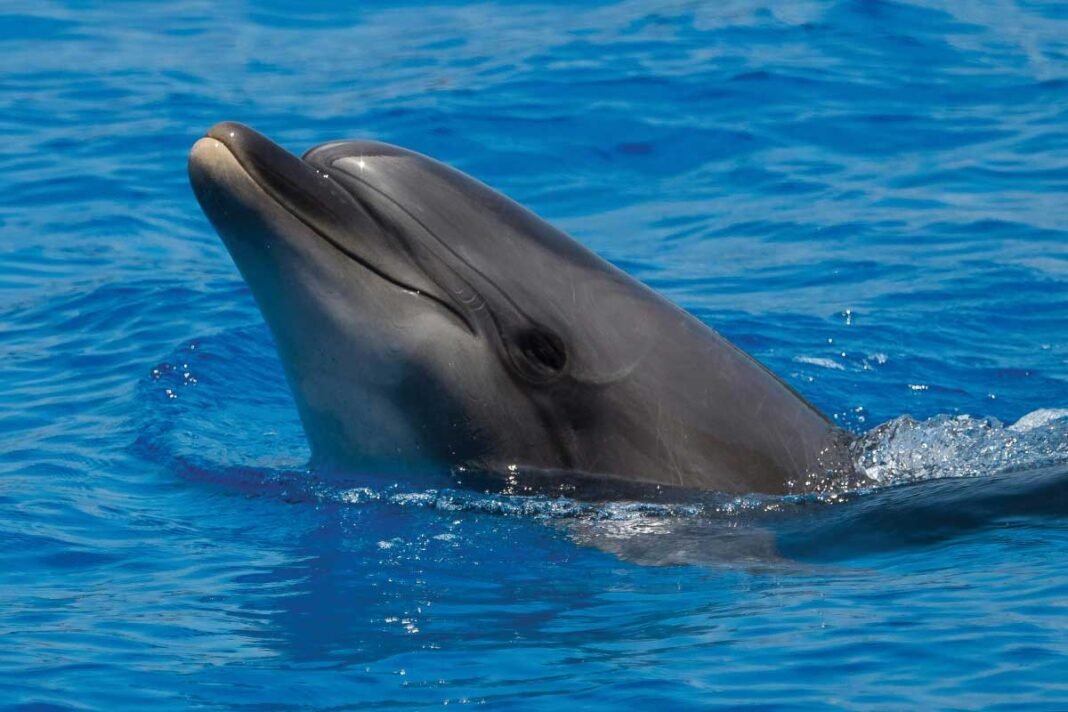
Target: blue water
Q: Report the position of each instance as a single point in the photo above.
(871, 197)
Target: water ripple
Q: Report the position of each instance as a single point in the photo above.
(867, 196)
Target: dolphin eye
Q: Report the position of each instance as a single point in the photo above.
(539, 354)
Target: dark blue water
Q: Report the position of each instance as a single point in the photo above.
(871, 197)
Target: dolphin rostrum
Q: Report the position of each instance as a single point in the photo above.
(427, 322)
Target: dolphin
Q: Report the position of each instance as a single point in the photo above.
(427, 323)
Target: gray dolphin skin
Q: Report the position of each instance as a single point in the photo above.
(427, 323)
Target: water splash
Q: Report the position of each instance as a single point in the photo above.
(906, 450)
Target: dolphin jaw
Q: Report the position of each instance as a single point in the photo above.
(235, 160)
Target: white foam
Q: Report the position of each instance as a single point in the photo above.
(1038, 418)
(821, 362)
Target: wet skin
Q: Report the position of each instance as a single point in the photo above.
(427, 322)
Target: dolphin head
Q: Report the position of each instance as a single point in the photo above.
(424, 319)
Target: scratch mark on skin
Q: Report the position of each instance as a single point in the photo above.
(798, 471)
(668, 451)
(672, 453)
(760, 405)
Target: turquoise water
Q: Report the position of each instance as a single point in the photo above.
(868, 196)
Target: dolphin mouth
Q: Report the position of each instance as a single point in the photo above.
(322, 205)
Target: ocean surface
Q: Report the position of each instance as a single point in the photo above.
(870, 197)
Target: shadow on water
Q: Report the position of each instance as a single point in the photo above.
(788, 534)
(372, 575)
(923, 514)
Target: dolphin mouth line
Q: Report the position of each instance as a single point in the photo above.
(281, 202)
